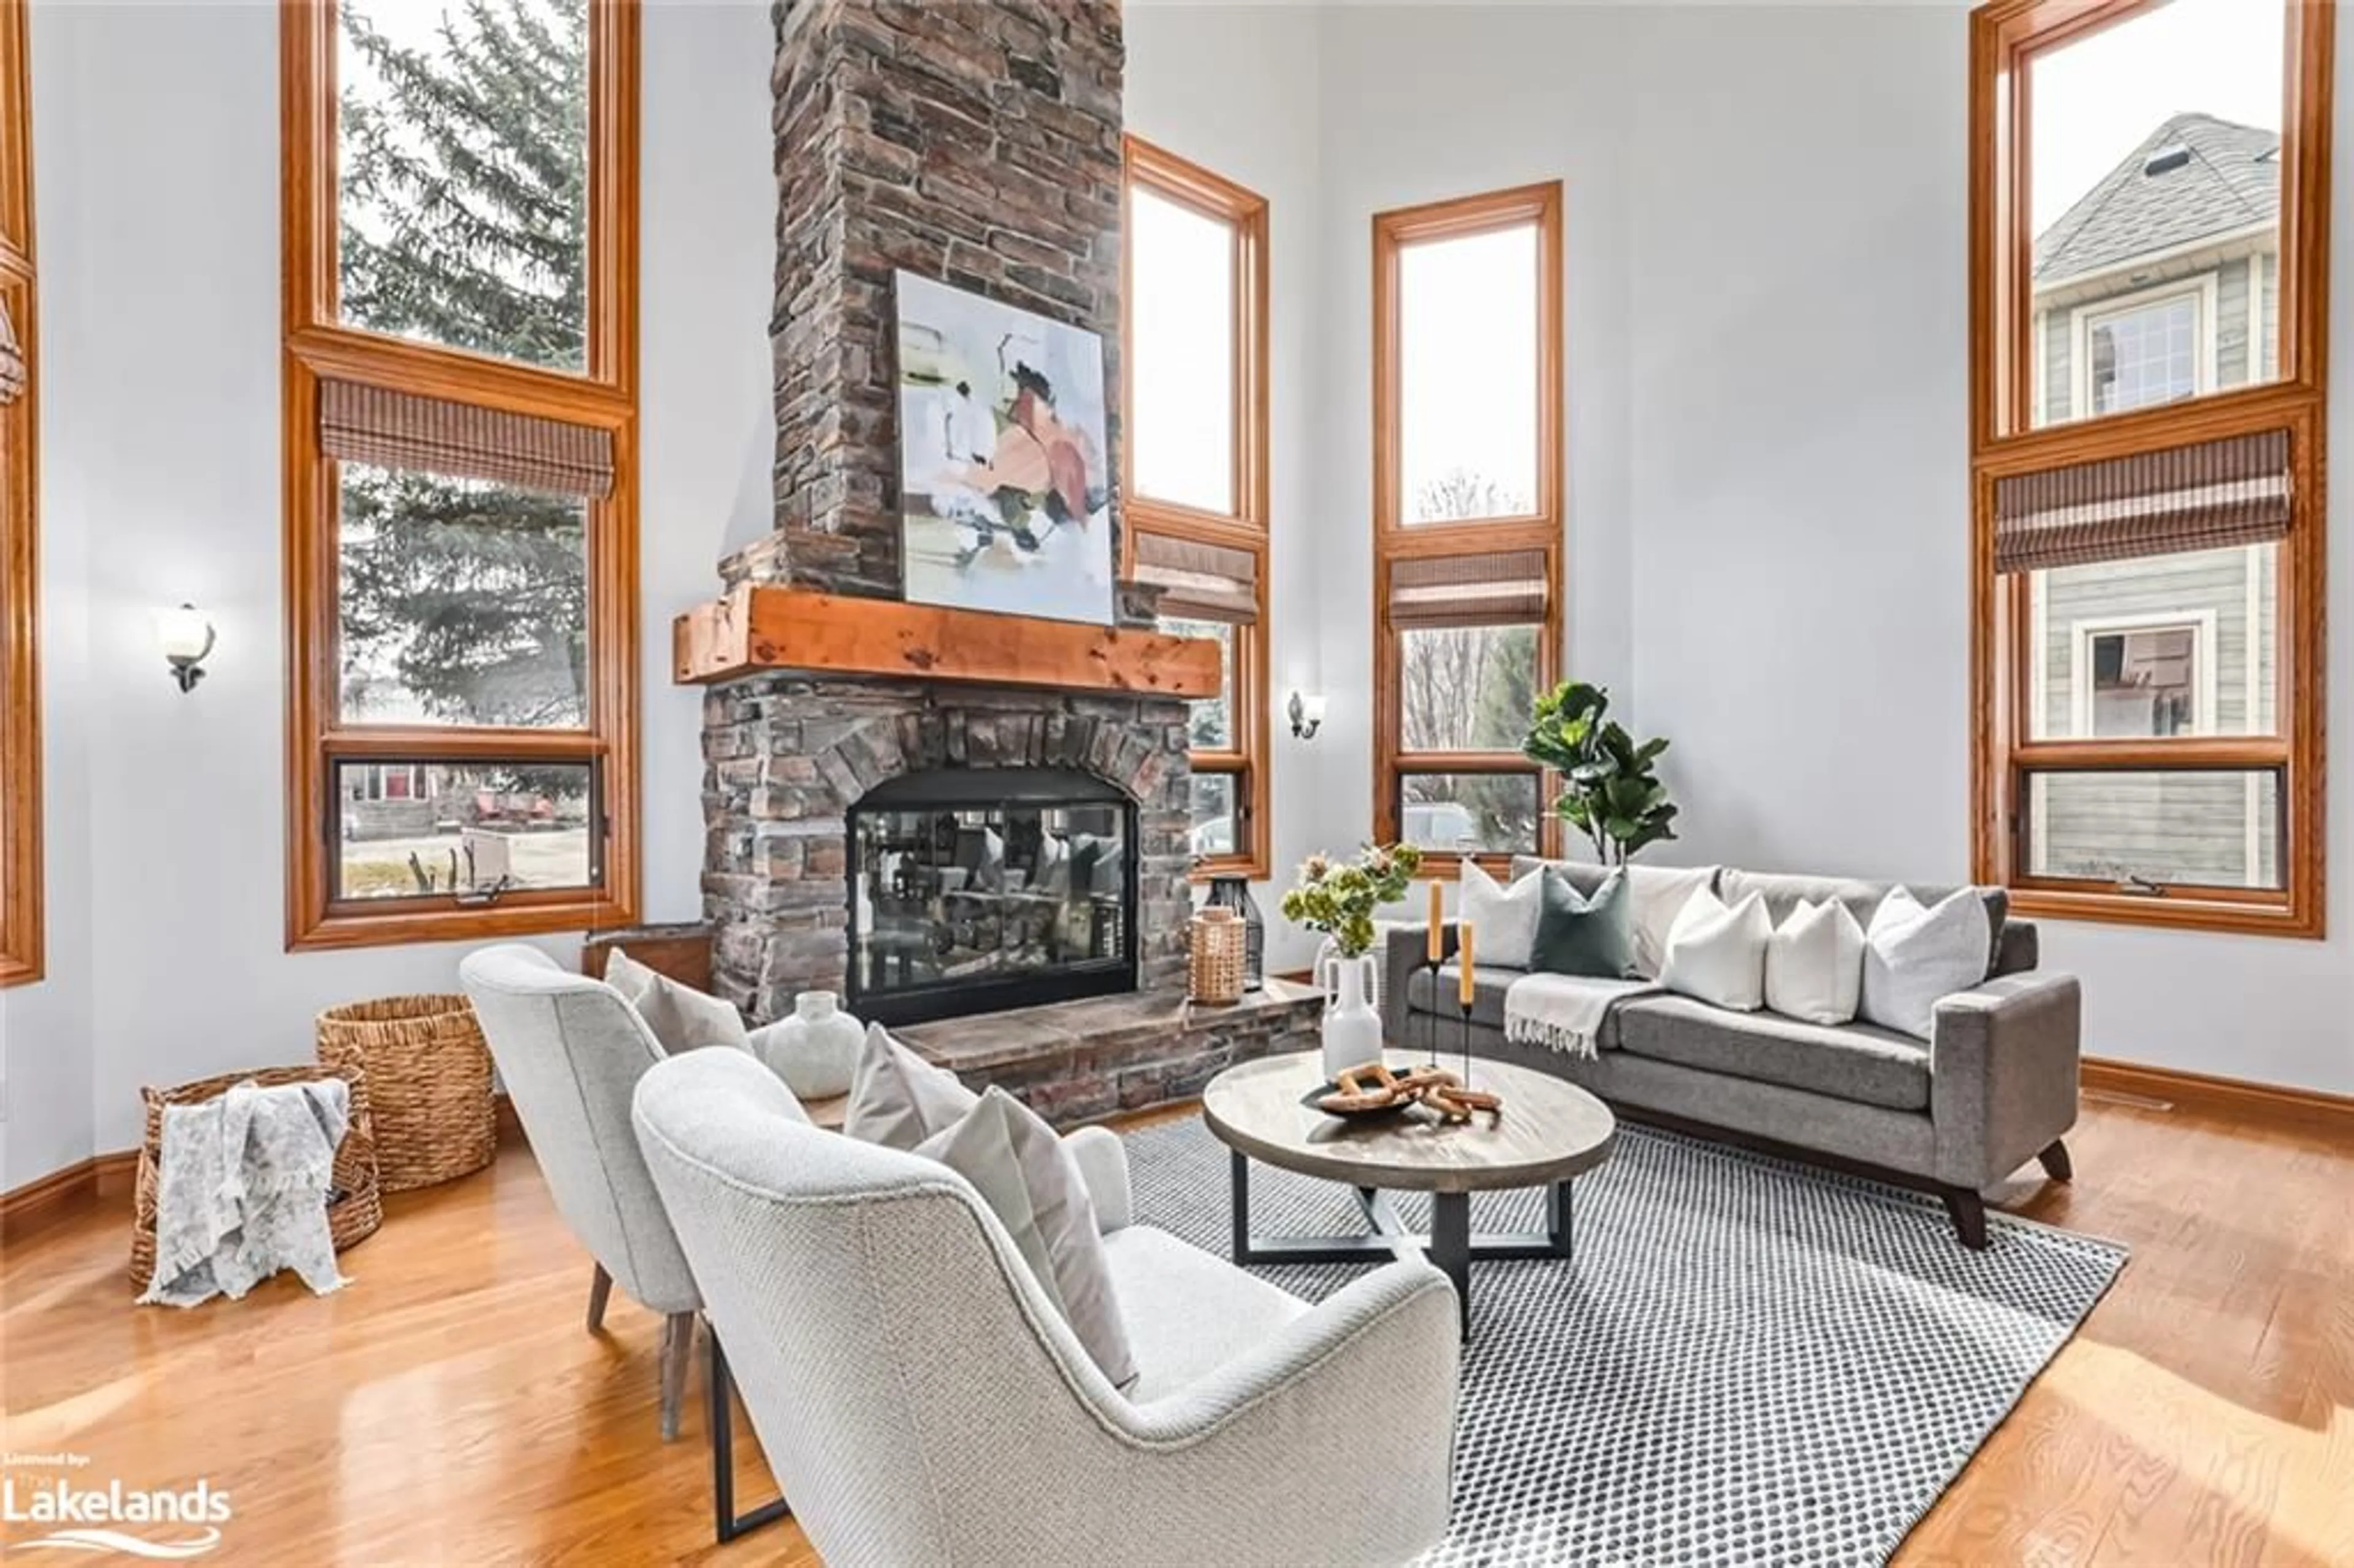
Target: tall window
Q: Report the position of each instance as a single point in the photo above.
(20, 722)
(1466, 528)
(2149, 306)
(461, 365)
(1197, 433)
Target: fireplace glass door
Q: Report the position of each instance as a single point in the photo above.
(973, 890)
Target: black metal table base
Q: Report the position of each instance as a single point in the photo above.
(1452, 1245)
(718, 1407)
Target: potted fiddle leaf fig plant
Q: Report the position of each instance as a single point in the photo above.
(1610, 789)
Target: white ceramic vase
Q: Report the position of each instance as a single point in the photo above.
(1353, 1030)
(816, 1049)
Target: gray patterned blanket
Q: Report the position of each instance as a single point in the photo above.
(242, 1191)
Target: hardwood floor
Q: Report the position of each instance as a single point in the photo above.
(451, 1408)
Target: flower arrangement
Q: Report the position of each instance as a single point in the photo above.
(1339, 899)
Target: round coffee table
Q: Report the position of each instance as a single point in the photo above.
(1551, 1131)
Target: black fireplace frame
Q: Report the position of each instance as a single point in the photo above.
(989, 789)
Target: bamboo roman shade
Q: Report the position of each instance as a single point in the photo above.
(1204, 582)
(375, 425)
(2205, 496)
(1496, 588)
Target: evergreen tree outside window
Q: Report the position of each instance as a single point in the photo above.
(460, 521)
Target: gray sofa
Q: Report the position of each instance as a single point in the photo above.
(1994, 1086)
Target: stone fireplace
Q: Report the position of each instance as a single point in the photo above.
(927, 774)
(975, 819)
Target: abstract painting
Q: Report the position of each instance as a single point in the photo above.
(1004, 477)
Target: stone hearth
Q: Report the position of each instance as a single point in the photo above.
(1076, 1061)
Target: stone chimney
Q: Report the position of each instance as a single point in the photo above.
(978, 144)
(975, 143)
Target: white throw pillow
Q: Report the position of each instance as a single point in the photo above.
(1913, 955)
(680, 1017)
(1660, 894)
(1028, 1179)
(1814, 965)
(899, 1099)
(1505, 918)
(1718, 955)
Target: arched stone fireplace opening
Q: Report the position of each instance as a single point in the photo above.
(982, 889)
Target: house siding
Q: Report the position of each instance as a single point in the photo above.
(2270, 262)
(2231, 322)
(2174, 826)
(2057, 344)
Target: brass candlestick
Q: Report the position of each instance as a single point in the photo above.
(1430, 967)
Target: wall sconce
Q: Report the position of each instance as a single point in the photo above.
(186, 640)
(1307, 715)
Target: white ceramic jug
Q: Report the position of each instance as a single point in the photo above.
(1353, 1030)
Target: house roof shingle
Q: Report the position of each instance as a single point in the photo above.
(2230, 180)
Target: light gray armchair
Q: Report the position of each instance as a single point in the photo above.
(570, 1051)
(921, 1402)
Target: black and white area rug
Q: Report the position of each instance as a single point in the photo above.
(1747, 1361)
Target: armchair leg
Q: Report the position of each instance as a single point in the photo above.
(1968, 1212)
(600, 1290)
(677, 1344)
(720, 1410)
(2056, 1163)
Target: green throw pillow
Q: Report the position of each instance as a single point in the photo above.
(1579, 933)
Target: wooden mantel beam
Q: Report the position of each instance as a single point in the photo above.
(763, 626)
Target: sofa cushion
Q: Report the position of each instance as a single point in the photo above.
(896, 1098)
(1854, 1062)
(1581, 935)
(1028, 1179)
(1913, 955)
(1814, 965)
(1660, 893)
(680, 1017)
(1862, 898)
(1718, 953)
(1505, 918)
(1187, 1312)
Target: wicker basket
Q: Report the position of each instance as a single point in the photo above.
(428, 1077)
(1220, 943)
(353, 1211)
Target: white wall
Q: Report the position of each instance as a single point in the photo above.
(1423, 103)
(1766, 371)
(156, 133)
(1799, 435)
(1238, 89)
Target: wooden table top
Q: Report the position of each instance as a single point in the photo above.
(1551, 1129)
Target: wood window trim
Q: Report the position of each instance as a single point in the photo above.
(1245, 525)
(1460, 218)
(1394, 540)
(23, 951)
(318, 347)
(2004, 34)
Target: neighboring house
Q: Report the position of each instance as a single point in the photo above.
(2163, 282)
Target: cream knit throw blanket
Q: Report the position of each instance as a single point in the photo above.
(1563, 1013)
